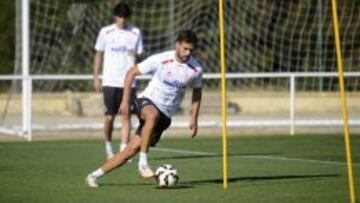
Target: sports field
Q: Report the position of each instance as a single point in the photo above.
(270, 169)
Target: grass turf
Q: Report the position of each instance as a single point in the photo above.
(267, 169)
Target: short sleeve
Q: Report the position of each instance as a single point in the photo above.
(197, 81)
(139, 45)
(149, 65)
(100, 41)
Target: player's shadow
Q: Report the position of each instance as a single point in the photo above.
(251, 179)
(261, 178)
(180, 186)
(111, 184)
(215, 156)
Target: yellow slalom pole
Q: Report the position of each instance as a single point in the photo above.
(343, 103)
(223, 93)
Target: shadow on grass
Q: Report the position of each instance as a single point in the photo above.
(215, 156)
(177, 187)
(191, 184)
(261, 178)
(126, 184)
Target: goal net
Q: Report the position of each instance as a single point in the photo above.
(269, 46)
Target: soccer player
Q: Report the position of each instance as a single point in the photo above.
(117, 47)
(172, 72)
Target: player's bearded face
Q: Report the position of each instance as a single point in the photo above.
(184, 51)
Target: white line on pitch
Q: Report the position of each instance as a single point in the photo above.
(256, 157)
(299, 160)
(183, 151)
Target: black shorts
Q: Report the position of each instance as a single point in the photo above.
(162, 124)
(112, 99)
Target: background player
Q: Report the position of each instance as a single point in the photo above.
(117, 46)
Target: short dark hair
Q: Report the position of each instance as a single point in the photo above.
(187, 36)
(122, 10)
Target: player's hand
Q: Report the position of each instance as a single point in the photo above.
(193, 126)
(124, 108)
(97, 85)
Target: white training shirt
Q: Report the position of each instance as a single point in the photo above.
(170, 78)
(119, 47)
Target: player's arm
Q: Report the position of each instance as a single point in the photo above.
(195, 107)
(97, 66)
(130, 75)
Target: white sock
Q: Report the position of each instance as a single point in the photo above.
(122, 146)
(97, 173)
(108, 148)
(143, 159)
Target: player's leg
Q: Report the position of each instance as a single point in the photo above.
(108, 129)
(126, 122)
(150, 115)
(111, 104)
(125, 130)
(163, 122)
(118, 160)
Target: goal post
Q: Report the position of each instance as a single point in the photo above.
(25, 67)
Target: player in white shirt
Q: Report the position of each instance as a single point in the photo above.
(173, 71)
(117, 46)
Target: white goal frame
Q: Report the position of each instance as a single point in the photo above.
(27, 80)
(27, 127)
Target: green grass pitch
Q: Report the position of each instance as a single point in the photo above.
(270, 169)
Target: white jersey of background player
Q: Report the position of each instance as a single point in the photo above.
(120, 47)
(167, 86)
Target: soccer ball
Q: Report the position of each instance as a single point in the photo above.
(166, 176)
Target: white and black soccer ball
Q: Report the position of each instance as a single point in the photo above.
(166, 176)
